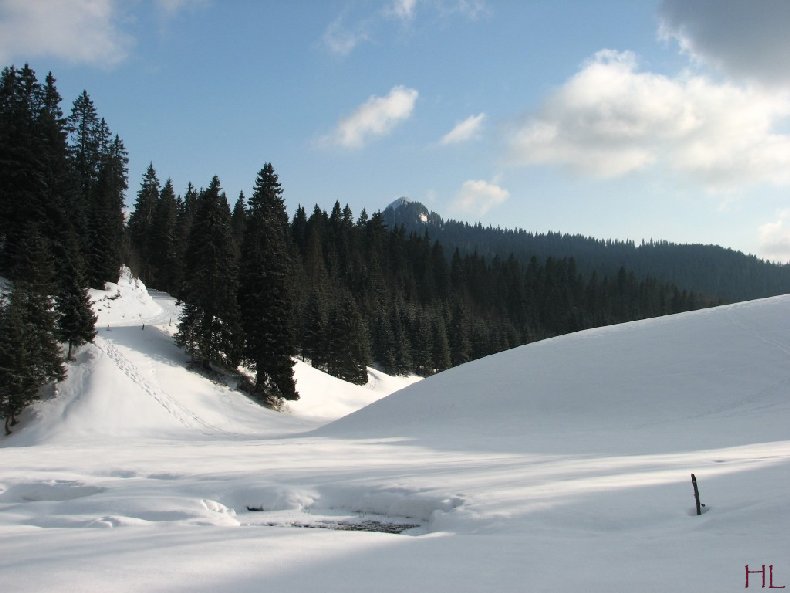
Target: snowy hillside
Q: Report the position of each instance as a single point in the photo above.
(133, 381)
(559, 466)
(710, 378)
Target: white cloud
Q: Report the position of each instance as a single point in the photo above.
(744, 38)
(774, 238)
(375, 117)
(477, 196)
(402, 9)
(79, 31)
(345, 33)
(611, 119)
(340, 40)
(468, 129)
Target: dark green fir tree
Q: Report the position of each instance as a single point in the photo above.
(76, 321)
(209, 328)
(349, 351)
(266, 292)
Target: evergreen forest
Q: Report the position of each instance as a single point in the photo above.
(62, 184)
(344, 292)
(712, 270)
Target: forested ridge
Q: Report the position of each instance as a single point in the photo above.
(341, 290)
(716, 271)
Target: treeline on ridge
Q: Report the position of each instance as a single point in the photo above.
(712, 270)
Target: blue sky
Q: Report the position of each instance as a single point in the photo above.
(616, 119)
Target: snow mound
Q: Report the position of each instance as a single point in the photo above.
(716, 377)
(126, 303)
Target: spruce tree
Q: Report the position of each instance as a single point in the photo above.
(99, 163)
(238, 220)
(440, 352)
(141, 222)
(76, 321)
(162, 240)
(184, 218)
(105, 216)
(266, 293)
(315, 330)
(349, 352)
(460, 344)
(29, 355)
(18, 382)
(209, 328)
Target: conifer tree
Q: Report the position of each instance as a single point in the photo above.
(209, 328)
(99, 162)
(440, 348)
(141, 222)
(299, 230)
(383, 344)
(266, 292)
(18, 383)
(349, 352)
(29, 355)
(184, 218)
(76, 321)
(238, 220)
(460, 345)
(105, 216)
(315, 330)
(162, 240)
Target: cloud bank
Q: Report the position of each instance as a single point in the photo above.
(78, 31)
(611, 119)
(743, 38)
(376, 117)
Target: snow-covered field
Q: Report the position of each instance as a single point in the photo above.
(559, 466)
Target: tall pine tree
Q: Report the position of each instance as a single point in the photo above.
(141, 223)
(266, 290)
(209, 328)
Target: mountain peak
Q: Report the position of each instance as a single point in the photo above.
(399, 203)
(412, 215)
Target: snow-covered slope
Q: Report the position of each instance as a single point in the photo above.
(134, 382)
(702, 379)
(560, 466)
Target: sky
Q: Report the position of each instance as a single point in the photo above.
(617, 119)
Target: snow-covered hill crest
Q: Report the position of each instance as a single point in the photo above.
(705, 378)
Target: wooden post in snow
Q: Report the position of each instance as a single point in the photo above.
(696, 493)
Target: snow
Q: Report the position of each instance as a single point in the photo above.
(559, 466)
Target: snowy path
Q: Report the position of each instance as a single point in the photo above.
(184, 416)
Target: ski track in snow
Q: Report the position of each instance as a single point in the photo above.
(185, 417)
